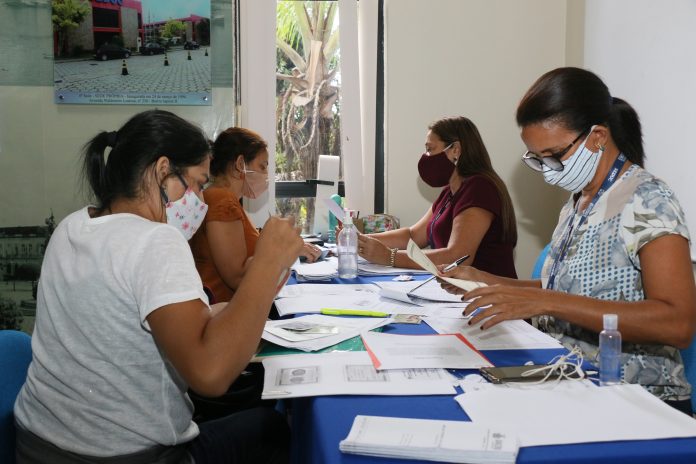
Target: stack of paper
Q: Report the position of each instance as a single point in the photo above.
(315, 332)
(360, 300)
(421, 293)
(326, 269)
(389, 351)
(366, 268)
(507, 335)
(430, 440)
(349, 373)
(621, 412)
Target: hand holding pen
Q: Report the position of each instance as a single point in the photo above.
(447, 268)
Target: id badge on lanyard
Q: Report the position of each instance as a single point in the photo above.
(565, 242)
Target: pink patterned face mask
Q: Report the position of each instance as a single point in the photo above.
(186, 213)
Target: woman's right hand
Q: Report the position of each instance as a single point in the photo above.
(279, 242)
(463, 273)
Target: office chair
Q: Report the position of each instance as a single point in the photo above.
(15, 356)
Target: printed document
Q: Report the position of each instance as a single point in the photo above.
(325, 289)
(432, 440)
(390, 351)
(620, 412)
(365, 301)
(316, 331)
(507, 335)
(349, 373)
(425, 293)
(423, 261)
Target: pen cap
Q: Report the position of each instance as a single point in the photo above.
(611, 321)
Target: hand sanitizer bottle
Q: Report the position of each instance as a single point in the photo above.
(347, 244)
(610, 352)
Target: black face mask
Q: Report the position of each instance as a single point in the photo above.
(436, 170)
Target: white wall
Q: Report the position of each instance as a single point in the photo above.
(651, 63)
(474, 58)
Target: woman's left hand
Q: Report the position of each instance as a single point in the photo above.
(373, 250)
(311, 252)
(507, 303)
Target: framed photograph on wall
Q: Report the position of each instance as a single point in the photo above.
(131, 52)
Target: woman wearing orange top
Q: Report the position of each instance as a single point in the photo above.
(224, 245)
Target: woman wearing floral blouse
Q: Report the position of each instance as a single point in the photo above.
(621, 244)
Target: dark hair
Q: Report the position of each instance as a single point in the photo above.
(474, 159)
(136, 147)
(578, 99)
(233, 142)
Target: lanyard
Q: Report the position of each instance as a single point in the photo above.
(565, 243)
(431, 241)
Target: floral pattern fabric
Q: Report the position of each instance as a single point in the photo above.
(603, 262)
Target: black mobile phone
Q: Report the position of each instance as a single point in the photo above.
(515, 373)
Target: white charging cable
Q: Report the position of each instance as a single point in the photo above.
(565, 366)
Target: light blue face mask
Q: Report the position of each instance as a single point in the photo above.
(578, 170)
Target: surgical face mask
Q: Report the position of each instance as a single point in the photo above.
(254, 183)
(436, 170)
(186, 213)
(578, 170)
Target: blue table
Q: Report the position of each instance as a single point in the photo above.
(319, 424)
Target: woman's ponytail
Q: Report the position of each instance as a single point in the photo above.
(94, 168)
(626, 131)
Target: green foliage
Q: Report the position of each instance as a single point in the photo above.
(10, 315)
(67, 14)
(173, 28)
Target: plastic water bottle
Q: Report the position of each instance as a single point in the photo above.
(333, 220)
(610, 352)
(347, 244)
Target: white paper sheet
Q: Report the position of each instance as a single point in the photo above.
(429, 293)
(390, 351)
(346, 374)
(325, 269)
(365, 301)
(419, 257)
(325, 289)
(366, 268)
(433, 440)
(507, 335)
(348, 327)
(621, 412)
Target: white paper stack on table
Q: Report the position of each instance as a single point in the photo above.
(507, 335)
(348, 373)
(360, 300)
(620, 412)
(390, 351)
(325, 269)
(421, 293)
(366, 268)
(430, 440)
(315, 332)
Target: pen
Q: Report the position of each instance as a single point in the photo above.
(352, 312)
(456, 263)
(448, 268)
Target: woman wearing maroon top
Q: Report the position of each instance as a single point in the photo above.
(473, 215)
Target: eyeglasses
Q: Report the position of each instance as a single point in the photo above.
(553, 161)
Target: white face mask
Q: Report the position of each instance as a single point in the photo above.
(578, 170)
(254, 183)
(186, 213)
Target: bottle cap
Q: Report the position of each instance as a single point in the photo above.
(611, 321)
(348, 219)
